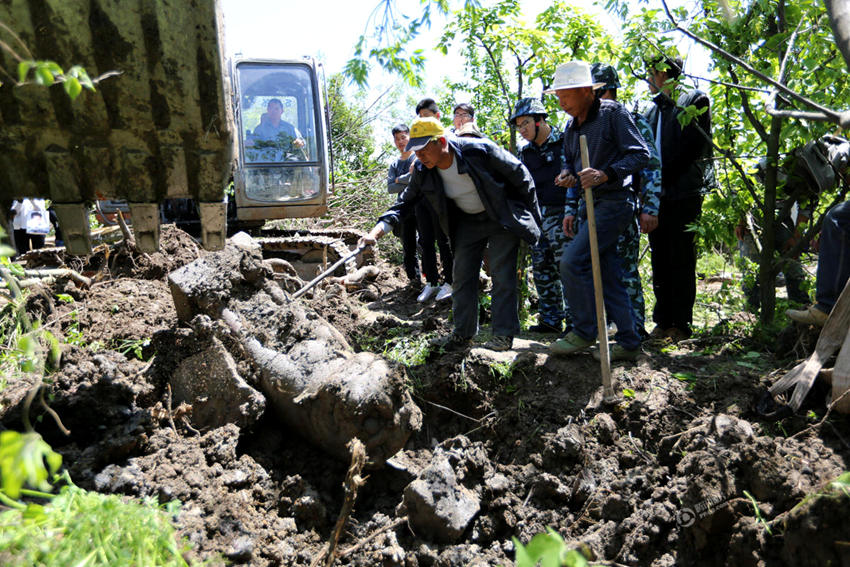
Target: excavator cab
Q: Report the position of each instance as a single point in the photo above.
(281, 140)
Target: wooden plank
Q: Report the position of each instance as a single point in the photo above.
(830, 340)
(841, 378)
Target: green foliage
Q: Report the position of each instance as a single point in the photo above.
(409, 350)
(503, 370)
(547, 550)
(46, 73)
(25, 460)
(760, 34)
(757, 511)
(505, 57)
(84, 528)
(389, 42)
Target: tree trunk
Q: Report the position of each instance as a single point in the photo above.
(839, 20)
(767, 266)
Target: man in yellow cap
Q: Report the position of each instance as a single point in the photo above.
(482, 195)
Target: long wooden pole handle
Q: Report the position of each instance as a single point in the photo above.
(601, 326)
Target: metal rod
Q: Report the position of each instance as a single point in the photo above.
(327, 272)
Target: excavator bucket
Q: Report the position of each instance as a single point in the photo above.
(158, 125)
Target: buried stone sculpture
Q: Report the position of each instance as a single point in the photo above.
(305, 367)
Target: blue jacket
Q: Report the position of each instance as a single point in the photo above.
(504, 185)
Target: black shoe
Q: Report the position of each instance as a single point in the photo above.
(451, 342)
(544, 327)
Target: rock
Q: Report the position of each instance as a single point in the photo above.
(241, 550)
(498, 483)
(210, 383)
(437, 506)
(549, 488)
(730, 429)
(565, 445)
(615, 508)
(606, 428)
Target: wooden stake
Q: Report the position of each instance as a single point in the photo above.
(601, 325)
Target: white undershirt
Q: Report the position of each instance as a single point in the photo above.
(461, 189)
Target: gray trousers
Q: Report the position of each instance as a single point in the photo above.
(471, 234)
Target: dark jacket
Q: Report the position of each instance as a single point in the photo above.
(400, 169)
(504, 185)
(687, 169)
(545, 163)
(614, 145)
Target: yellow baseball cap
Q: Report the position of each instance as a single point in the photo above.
(422, 131)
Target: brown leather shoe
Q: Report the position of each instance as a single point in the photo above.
(809, 316)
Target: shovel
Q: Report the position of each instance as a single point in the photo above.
(601, 326)
(327, 272)
(830, 340)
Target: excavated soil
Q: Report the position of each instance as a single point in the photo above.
(668, 476)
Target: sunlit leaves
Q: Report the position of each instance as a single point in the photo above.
(47, 73)
(25, 460)
(547, 550)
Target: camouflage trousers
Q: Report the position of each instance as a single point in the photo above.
(546, 267)
(628, 248)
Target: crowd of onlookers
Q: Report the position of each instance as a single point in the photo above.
(461, 194)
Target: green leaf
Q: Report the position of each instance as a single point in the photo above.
(53, 67)
(22, 462)
(685, 376)
(43, 76)
(72, 87)
(24, 69)
(842, 482)
(575, 559)
(628, 393)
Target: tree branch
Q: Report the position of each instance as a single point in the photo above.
(840, 118)
(725, 84)
(748, 110)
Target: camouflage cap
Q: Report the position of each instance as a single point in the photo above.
(604, 73)
(528, 107)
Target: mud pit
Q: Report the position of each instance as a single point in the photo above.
(510, 442)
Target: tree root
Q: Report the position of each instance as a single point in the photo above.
(353, 482)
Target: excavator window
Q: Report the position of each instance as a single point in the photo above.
(278, 113)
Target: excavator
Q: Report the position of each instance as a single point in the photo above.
(246, 140)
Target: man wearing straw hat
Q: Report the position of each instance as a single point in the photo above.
(483, 196)
(617, 151)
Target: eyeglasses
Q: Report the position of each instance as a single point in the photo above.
(524, 124)
(461, 114)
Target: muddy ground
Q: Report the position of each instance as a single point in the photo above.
(668, 476)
